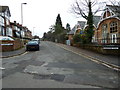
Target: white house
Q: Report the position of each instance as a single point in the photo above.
(5, 21)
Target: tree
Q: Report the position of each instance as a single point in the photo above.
(115, 2)
(68, 27)
(44, 35)
(89, 31)
(58, 21)
(77, 38)
(58, 25)
(116, 5)
(78, 9)
(59, 30)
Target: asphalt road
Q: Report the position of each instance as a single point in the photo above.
(54, 67)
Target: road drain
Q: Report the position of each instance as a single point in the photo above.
(55, 77)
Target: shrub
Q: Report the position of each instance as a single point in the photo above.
(77, 38)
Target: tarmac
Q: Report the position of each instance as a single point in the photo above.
(13, 53)
(106, 60)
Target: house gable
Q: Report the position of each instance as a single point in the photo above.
(107, 13)
(111, 11)
(5, 10)
(79, 27)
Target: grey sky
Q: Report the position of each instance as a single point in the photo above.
(39, 15)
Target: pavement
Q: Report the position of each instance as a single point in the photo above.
(13, 53)
(107, 60)
(110, 61)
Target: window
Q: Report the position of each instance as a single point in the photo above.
(113, 27)
(9, 31)
(2, 30)
(1, 21)
(15, 27)
(7, 21)
(114, 38)
(104, 33)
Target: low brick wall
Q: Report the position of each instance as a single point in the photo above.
(6, 46)
(10, 45)
(18, 44)
(99, 49)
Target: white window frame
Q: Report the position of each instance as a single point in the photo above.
(104, 33)
(114, 39)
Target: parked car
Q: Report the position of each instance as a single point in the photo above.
(38, 40)
(32, 45)
(4, 38)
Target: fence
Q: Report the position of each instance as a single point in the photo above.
(108, 41)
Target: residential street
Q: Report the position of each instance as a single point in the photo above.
(55, 67)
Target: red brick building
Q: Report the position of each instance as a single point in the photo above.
(108, 31)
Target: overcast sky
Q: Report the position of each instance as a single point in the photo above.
(39, 15)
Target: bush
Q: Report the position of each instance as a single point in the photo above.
(77, 38)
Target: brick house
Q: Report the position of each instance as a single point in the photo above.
(20, 31)
(5, 29)
(80, 26)
(16, 28)
(28, 34)
(96, 20)
(77, 29)
(108, 31)
(71, 34)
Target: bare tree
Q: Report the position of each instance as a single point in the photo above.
(115, 2)
(85, 10)
(81, 8)
(116, 6)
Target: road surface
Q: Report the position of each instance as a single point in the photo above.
(55, 67)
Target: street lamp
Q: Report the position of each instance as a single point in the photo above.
(33, 30)
(22, 12)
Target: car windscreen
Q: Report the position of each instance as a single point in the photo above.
(33, 42)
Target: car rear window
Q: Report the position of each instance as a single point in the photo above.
(33, 42)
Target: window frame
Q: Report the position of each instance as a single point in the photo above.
(113, 26)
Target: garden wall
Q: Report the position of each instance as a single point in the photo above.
(99, 49)
(10, 45)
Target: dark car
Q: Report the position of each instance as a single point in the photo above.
(32, 45)
(38, 40)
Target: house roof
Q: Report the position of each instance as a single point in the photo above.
(96, 20)
(114, 9)
(73, 30)
(81, 24)
(4, 8)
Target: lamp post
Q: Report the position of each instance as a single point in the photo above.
(33, 30)
(22, 12)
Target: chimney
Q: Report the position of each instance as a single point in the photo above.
(15, 22)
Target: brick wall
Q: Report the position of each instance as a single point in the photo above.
(18, 44)
(6, 45)
(99, 49)
(10, 45)
(107, 21)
